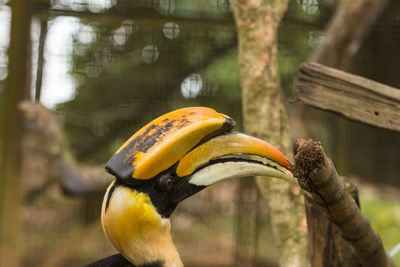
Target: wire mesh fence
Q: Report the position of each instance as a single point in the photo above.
(108, 67)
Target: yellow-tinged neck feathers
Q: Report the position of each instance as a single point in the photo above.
(135, 228)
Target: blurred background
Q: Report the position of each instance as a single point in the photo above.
(104, 68)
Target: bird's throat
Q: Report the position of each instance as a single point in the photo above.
(135, 228)
(154, 247)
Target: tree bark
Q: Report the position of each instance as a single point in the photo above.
(17, 87)
(265, 117)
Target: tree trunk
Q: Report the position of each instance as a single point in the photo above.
(17, 87)
(265, 117)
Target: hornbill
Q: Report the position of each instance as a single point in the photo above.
(171, 158)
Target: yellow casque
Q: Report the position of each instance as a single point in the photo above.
(163, 141)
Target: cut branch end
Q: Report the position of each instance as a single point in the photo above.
(309, 161)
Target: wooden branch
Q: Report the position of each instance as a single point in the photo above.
(74, 178)
(113, 17)
(141, 15)
(352, 96)
(317, 175)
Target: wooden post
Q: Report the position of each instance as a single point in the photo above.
(11, 135)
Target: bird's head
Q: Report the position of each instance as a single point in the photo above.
(168, 160)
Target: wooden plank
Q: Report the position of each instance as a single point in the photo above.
(353, 96)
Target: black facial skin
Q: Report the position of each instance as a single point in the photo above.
(165, 190)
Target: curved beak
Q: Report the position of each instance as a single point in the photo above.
(232, 155)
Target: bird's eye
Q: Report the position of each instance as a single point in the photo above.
(165, 182)
(169, 183)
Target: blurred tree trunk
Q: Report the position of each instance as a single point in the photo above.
(40, 63)
(246, 224)
(341, 43)
(265, 117)
(18, 84)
